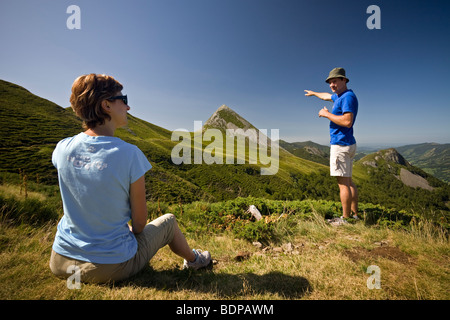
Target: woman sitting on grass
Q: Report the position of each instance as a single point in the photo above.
(102, 185)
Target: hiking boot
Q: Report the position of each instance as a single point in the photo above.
(202, 260)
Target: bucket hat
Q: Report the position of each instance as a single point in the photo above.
(337, 73)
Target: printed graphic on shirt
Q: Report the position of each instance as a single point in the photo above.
(84, 162)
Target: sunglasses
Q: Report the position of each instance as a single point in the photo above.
(123, 98)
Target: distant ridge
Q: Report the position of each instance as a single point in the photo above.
(433, 158)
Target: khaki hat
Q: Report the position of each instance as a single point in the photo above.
(337, 73)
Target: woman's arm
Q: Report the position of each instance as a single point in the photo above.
(138, 205)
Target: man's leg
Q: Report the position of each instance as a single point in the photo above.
(349, 196)
(345, 192)
(354, 191)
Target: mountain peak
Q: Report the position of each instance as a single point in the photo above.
(226, 118)
(224, 107)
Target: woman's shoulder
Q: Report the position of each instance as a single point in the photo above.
(126, 145)
(67, 140)
(130, 150)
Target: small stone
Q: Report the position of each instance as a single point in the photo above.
(288, 247)
(257, 244)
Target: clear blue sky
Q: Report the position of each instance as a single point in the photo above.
(179, 60)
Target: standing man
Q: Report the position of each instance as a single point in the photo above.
(343, 144)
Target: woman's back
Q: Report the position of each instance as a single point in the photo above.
(95, 173)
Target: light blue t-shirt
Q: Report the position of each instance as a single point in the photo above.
(94, 175)
(345, 102)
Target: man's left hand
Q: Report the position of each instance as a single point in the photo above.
(324, 112)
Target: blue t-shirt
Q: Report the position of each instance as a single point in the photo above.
(345, 102)
(94, 175)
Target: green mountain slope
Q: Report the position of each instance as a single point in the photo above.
(227, 119)
(215, 182)
(31, 127)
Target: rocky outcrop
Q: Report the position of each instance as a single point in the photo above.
(392, 155)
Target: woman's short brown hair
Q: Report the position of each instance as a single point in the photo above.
(88, 92)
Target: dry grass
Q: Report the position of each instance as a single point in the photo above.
(19, 192)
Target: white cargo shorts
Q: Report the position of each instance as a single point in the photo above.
(341, 160)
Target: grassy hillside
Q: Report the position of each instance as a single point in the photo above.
(298, 256)
(190, 182)
(31, 127)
